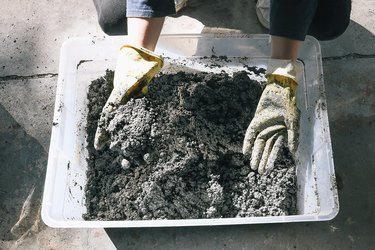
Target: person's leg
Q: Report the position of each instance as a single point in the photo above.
(289, 23)
(331, 19)
(145, 21)
(284, 48)
(144, 32)
(111, 16)
(291, 18)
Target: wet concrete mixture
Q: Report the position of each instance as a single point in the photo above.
(177, 153)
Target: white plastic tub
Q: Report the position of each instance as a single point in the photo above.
(85, 59)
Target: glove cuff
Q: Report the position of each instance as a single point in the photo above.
(283, 72)
(146, 54)
(284, 82)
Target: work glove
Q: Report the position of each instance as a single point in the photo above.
(134, 70)
(276, 119)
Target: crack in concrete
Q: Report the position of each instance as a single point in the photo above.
(348, 56)
(35, 76)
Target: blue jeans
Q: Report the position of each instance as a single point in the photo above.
(150, 8)
(112, 13)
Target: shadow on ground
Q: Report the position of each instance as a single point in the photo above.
(23, 164)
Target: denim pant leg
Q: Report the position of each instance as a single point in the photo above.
(112, 13)
(323, 19)
(331, 19)
(112, 16)
(292, 18)
(150, 8)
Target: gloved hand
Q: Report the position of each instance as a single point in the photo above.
(276, 118)
(135, 68)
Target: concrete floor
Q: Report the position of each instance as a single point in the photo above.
(31, 34)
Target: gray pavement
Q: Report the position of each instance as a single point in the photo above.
(31, 34)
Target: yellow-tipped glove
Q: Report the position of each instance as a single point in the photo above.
(276, 118)
(135, 68)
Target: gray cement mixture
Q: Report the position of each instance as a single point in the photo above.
(177, 153)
